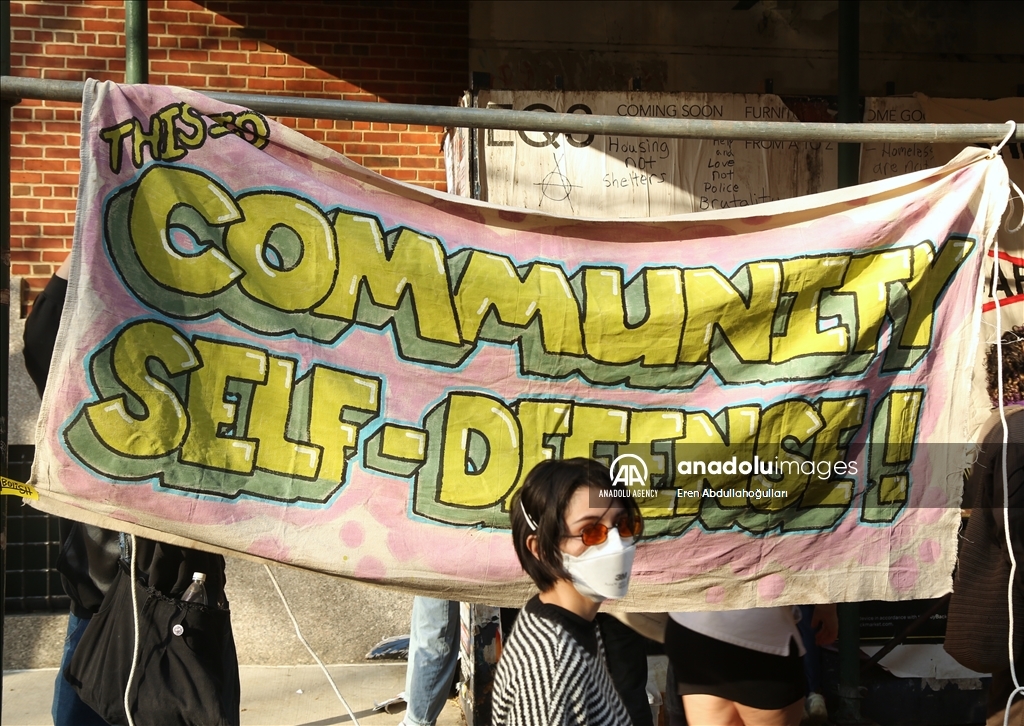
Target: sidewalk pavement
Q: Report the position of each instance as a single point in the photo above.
(271, 696)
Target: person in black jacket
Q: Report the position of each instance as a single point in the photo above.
(88, 559)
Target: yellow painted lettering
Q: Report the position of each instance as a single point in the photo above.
(416, 264)
(539, 420)
(287, 249)
(591, 424)
(160, 191)
(648, 426)
(868, 278)
(335, 393)
(931, 275)
(193, 120)
(792, 420)
(712, 300)
(169, 151)
(403, 442)
(142, 139)
(904, 409)
(114, 136)
(490, 282)
(159, 422)
(213, 411)
(610, 338)
(268, 422)
(703, 443)
(806, 277)
(840, 415)
(481, 451)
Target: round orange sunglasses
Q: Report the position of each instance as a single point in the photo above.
(596, 533)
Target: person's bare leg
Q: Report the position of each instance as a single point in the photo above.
(704, 710)
(788, 716)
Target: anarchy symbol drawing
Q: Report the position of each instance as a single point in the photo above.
(556, 186)
(551, 137)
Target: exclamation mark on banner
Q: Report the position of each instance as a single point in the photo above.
(904, 407)
(893, 433)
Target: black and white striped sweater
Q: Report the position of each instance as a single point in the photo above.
(547, 677)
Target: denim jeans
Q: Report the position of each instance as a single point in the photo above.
(433, 653)
(68, 709)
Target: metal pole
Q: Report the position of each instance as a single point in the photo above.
(474, 152)
(574, 123)
(136, 41)
(849, 88)
(849, 172)
(5, 300)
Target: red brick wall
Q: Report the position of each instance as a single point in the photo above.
(402, 51)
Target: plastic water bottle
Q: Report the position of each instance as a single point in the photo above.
(196, 592)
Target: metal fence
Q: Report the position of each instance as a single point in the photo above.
(33, 542)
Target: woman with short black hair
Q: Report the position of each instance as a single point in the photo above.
(574, 533)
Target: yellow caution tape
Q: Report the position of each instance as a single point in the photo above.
(18, 489)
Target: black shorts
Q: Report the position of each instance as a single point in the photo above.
(704, 665)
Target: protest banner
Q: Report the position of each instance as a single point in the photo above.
(269, 350)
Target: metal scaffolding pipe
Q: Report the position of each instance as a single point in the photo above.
(849, 173)
(849, 88)
(136, 41)
(14, 88)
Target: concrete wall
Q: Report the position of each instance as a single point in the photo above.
(951, 49)
(22, 398)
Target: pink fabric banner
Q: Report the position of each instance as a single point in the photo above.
(269, 350)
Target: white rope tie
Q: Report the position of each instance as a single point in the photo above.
(1009, 135)
(993, 153)
(303, 641)
(1006, 487)
(1012, 203)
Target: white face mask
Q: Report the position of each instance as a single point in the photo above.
(602, 571)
